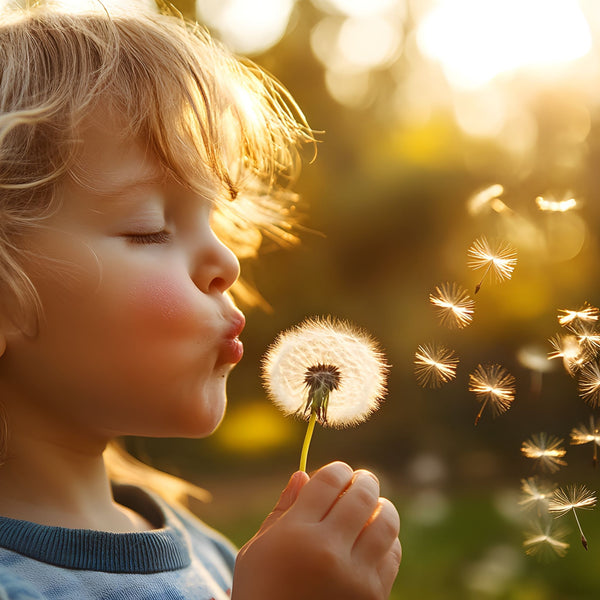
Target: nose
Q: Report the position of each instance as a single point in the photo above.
(216, 267)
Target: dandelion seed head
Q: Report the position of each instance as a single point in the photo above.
(585, 314)
(534, 358)
(494, 385)
(435, 365)
(546, 449)
(500, 259)
(587, 335)
(589, 384)
(536, 494)
(571, 497)
(453, 304)
(574, 355)
(331, 351)
(488, 197)
(545, 540)
(586, 435)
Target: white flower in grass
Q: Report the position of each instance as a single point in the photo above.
(328, 355)
(325, 370)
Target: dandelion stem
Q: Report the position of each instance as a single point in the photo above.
(478, 286)
(483, 405)
(307, 438)
(583, 540)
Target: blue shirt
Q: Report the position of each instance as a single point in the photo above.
(180, 558)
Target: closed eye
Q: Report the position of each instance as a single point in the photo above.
(156, 237)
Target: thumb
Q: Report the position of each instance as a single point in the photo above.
(287, 498)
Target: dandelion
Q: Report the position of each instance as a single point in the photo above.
(585, 314)
(572, 352)
(493, 385)
(325, 370)
(434, 365)
(485, 198)
(535, 358)
(588, 337)
(454, 305)
(545, 540)
(589, 384)
(571, 498)
(500, 261)
(587, 435)
(546, 449)
(536, 494)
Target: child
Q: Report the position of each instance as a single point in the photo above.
(124, 140)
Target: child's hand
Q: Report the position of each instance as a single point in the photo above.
(329, 538)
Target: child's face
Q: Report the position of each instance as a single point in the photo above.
(139, 334)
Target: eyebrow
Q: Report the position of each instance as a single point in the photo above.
(122, 188)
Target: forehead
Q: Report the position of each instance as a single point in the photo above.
(109, 156)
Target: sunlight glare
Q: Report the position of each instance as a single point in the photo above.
(359, 8)
(368, 42)
(476, 40)
(247, 27)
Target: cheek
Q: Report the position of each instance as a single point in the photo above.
(165, 302)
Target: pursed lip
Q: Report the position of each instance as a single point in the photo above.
(232, 349)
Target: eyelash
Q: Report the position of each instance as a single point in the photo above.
(157, 237)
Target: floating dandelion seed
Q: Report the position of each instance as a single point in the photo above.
(551, 204)
(488, 197)
(453, 305)
(536, 494)
(546, 449)
(589, 384)
(535, 358)
(571, 498)
(572, 352)
(588, 337)
(434, 365)
(585, 314)
(325, 370)
(493, 385)
(545, 540)
(499, 261)
(587, 435)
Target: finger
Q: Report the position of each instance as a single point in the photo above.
(379, 534)
(289, 495)
(351, 512)
(318, 495)
(389, 567)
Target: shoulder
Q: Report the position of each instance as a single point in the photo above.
(202, 535)
(12, 587)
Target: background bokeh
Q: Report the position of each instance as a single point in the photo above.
(441, 121)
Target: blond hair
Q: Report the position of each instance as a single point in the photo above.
(211, 119)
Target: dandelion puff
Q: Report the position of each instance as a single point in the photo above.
(493, 385)
(435, 365)
(587, 435)
(453, 305)
(585, 314)
(547, 450)
(589, 384)
(325, 370)
(588, 337)
(499, 261)
(574, 355)
(536, 494)
(545, 540)
(572, 498)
